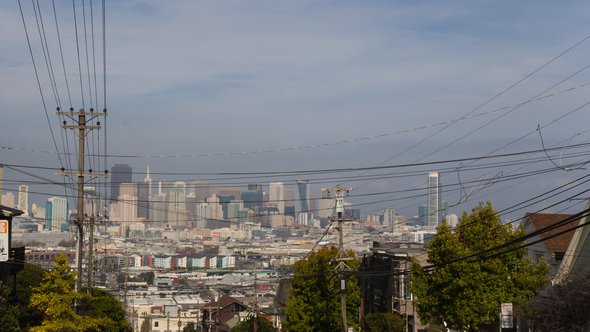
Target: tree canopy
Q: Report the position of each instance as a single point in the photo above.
(383, 321)
(26, 279)
(262, 325)
(465, 293)
(65, 309)
(314, 300)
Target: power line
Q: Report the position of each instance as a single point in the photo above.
(502, 92)
(78, 53)
(348, 169)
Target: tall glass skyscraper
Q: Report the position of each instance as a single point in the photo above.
(433, 199)
(302, 197)
(56, 214)
(177, 205)
(435, 210)
(120, 173)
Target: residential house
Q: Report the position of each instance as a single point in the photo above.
(387, 290)
(549, 245)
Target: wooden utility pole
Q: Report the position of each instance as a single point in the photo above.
(255, 329)
(126, 275)
(80, 120)
(91, 253)
(342, 256)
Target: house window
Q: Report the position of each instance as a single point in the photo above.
(558, 255)
(156, 324)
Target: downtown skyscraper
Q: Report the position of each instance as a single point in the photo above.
(56, 214)
(302, 197)
(23, 199)
(120, 173)
(276, 195)
(433, 213)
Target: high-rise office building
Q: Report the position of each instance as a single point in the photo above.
(23, 199)
(201, 190)
(422, 216)
(127, 202)
(432, 200)
(56, 214)
(436, 208)
(191, 204)
(177, 215)
(224, 201)
(120, 173)
(276, 195)
(127, 208)
(289, 197)
(216, 210)
(302, 202)
(148, 181)
(202, 213)
(157, 211)
(389, 218)
(253, 197)
(234, 210)
(129, 189)
(143, 204)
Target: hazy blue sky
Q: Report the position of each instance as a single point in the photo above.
(211, 77)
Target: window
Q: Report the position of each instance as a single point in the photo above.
(558, 255)
(156, 324)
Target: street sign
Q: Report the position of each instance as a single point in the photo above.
(4, 245)
(506, 309)
(506, 315)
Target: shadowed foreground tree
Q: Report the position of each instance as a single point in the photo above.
(467, 293)
(18, 315)
(10, 313)
(65, 309)
(383, 322)
(104, 304)
(314, 300)
(563, 307)
(26, 279)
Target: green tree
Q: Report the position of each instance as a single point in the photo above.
(314, 300)
(383, 322)
(263, 325)
(26, 279)
(104, 304)
(57, 299)
(147, 277)
(190, 327)
(468, 292)
(15, 302)
(10, 313)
